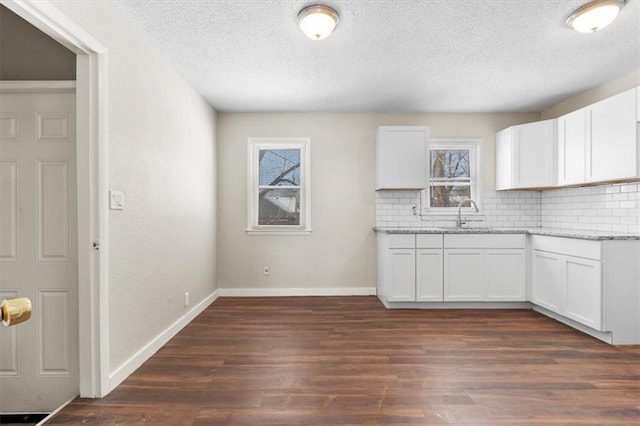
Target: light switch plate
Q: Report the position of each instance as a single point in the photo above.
(116, 200)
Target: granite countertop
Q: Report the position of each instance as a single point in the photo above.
(552, 232)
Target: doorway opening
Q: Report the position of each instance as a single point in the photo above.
(91, 189)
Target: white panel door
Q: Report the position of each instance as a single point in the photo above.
(429, 275)
(583, 291)
(38, 250)
(546, 283)
(613, 148)
(464, 273)
(506, 275)
(402, 269)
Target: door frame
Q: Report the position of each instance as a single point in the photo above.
(92, 188)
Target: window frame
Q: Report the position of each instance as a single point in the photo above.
(475, 173)
(254, 146)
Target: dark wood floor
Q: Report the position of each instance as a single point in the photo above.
(347, 360)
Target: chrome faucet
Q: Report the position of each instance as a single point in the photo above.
(471, 204)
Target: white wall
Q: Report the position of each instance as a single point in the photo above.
(340, 253)
(162, 154)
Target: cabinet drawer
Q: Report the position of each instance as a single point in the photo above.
(568, 246)
(402, 241)
(429, 241)
(484, 241)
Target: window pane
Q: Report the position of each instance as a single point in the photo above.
(449, 195)
(279, 206)
(450, 163)
(279, 167)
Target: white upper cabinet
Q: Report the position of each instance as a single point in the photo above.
(612, 144)
(503, 160)
(598, 143)
(526, 156)
(572, 141)
(402, 160)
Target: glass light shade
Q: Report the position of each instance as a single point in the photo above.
(595, 16)
(317, 21)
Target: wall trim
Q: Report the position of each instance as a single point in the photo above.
(285, 292)
(37, 86)
(148, 350)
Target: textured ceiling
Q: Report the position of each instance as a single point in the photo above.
(389, 55)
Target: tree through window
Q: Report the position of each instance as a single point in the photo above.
(279, 185)
(454, 170)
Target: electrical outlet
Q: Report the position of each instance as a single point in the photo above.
(186, 299)
(266, 270)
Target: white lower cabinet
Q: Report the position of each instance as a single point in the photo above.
(546, 290)
(567, 278)
(402, 263)
(410, 267)
(484, 267)
(429, 275)
(582, 288)
(463, 275)
(589, 284)
(568, 285)
(505, 275)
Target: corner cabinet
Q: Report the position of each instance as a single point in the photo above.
(526, 156)
(402, 157)
(592, 283)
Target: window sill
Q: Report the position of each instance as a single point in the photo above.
(278, 231)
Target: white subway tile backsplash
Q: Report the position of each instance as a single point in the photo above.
(606, 207)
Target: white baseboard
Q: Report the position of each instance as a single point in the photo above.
(284, 292)
(133, 363)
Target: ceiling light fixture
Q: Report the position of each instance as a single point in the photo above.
(594, 16)
(318, 21)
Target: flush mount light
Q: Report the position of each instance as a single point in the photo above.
(595, 15)
(318, 21)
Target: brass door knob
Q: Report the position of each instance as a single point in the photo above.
(15, 311)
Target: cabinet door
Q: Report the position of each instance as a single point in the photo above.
(503, 160)
(546, 285)
(612, 145)
(402, 160)
(464, 273)
(534, 154)
(506, 277)
(572, 139)
(402, 275)
(429, 275)
(582, 285)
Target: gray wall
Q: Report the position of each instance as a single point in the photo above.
(26, 53)
(340, 253)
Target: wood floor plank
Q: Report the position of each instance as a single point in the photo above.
(348, 360)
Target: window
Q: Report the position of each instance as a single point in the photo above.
(279, 186)
(454, 166)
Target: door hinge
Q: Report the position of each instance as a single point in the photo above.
(96, 244)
